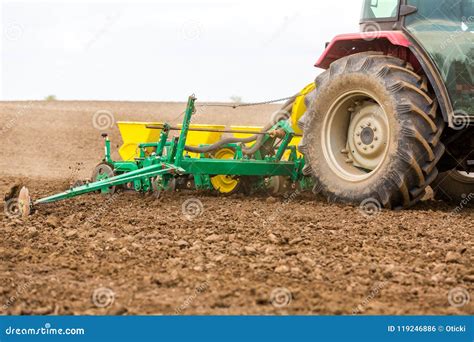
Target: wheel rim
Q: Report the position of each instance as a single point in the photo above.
(223, 183)
(463, 177)
(103, 172)
(356, 136)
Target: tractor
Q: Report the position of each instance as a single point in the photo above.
(391, 115)
(393, 112)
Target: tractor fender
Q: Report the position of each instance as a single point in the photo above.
(395, 43)
(348, 44)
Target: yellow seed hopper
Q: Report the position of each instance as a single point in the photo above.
(134, 133)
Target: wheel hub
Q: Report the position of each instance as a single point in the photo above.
(356, 136)
(224, 184)
(367, 136)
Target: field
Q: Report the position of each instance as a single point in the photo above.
(134, 254)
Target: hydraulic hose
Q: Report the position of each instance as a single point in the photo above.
(285, 111)
(217, 145)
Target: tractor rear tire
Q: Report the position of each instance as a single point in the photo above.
(371, 132)
(454, 186)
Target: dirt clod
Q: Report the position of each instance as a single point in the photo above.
(453, 257)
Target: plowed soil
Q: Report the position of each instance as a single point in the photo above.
(135, 254)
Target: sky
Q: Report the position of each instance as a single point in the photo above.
(166, 50)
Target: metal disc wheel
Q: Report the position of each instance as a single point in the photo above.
(225, 184)
(356, 135)
(277, 185)
(101, 172)
(157, 186)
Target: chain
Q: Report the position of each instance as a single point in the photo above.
(250, 104)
